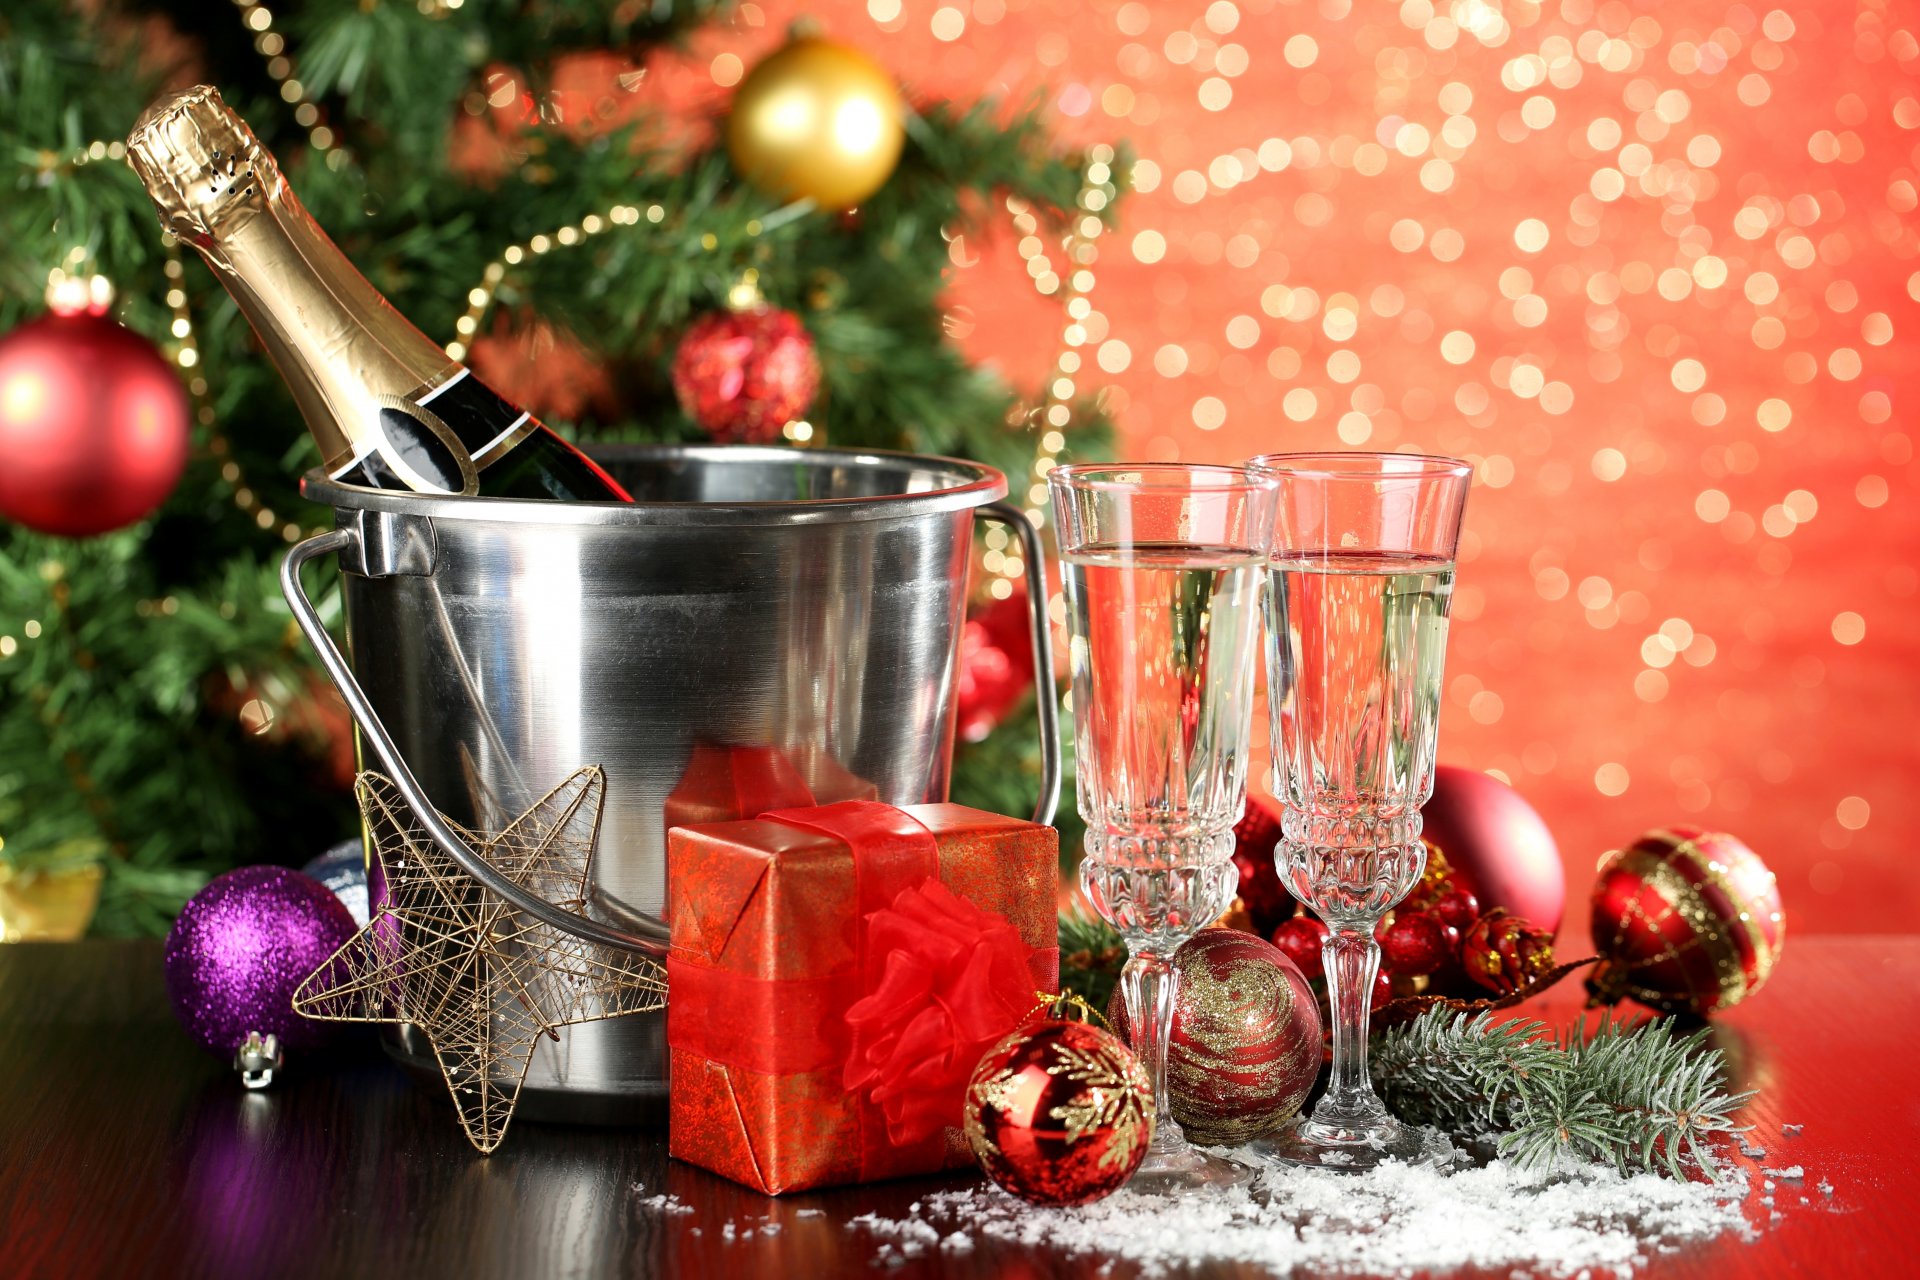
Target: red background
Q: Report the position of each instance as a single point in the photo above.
(1674, 244)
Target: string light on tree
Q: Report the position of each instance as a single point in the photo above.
(1082, 251)
(272, 46)
(481, 296)
(1097, 190)
(98, 150)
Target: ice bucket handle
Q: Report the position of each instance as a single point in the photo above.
(1045, 702)
(378, 544)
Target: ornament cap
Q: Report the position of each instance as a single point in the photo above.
(1065, 1006)
(199, 161)
(257, 1059)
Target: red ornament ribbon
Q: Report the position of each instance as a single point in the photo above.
(939, 980)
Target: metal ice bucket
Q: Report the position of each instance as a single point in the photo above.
(804, 600)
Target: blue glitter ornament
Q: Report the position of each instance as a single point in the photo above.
(241, 946)
(343, 869)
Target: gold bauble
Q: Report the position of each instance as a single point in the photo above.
(817, 120)
(47, 906)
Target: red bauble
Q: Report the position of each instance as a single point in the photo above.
(1245, 1042)
(1417, 943)
(1300, 939)
(1504, 953)
(1499, 849)
(1059, 1113)
(743, 375)
(1686, 921)
(1457, 907)
(996, 665)
(1255, 836)
(987, 686)
(93, 425)
(1009, 626)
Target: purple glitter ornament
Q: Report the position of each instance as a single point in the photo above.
(241, 947)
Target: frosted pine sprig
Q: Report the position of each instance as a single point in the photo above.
(1637, 1097)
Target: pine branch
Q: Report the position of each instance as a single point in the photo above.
(1637, 1097)
(1469, 1077)
(1091, 956)
(1662, 1093)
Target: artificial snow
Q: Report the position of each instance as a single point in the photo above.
(1394, 1220)
(668, 1203)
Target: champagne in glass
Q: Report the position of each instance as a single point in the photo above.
(1375, 627)
(1164, 566)
(1361, 581)
(1158, 638)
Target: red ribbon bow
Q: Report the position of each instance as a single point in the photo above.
(955, 980)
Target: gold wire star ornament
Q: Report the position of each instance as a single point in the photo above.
(481, 979)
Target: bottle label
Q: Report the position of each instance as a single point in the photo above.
(439, 439)
(486, 424)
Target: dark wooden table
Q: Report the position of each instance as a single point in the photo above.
(125, 1151)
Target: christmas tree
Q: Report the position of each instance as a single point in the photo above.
(501, 171)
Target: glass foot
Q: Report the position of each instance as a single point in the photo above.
(1184, 1168)
(1346, 1147)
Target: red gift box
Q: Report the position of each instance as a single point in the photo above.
(836, 973)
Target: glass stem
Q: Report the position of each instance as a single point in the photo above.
(1148, 984)
(1351, 957)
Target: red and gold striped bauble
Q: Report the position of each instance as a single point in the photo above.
(1685, 921)
(1244, 1045)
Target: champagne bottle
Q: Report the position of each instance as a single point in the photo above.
(388, 407)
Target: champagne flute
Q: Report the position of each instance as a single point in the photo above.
(1357, 599)
(1163, 574)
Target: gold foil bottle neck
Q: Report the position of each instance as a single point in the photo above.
(199, 162)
